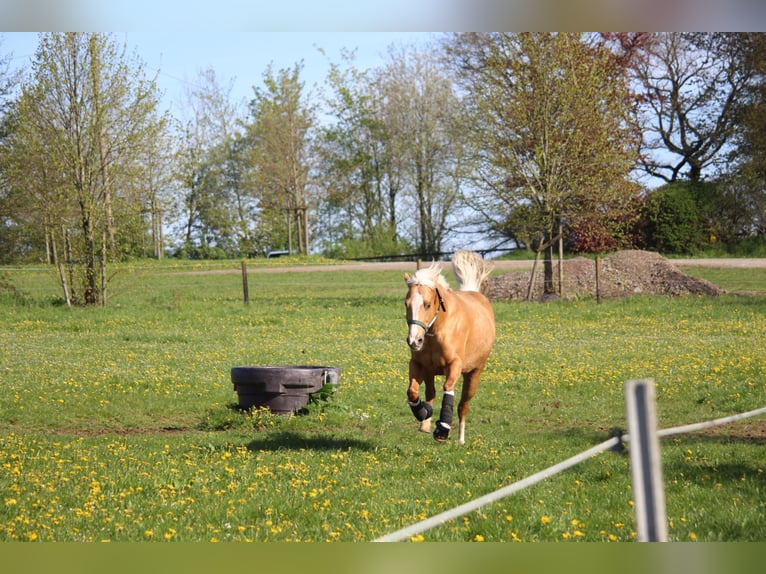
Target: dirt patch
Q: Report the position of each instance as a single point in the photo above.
(94, 431)
(753, 432)
(622, 274)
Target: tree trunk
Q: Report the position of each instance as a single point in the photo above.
(103, 267)
(548, 286)
(561, 261)
(532, 276)
(62, 273)
(90, 288)
(157, 231)
(69, 259)
(50, 256)
(598, 278)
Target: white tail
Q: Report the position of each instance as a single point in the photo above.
(470, 269)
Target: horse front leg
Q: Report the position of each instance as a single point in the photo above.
(422, 410)
(444, 424)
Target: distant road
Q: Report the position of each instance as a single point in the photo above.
(744, 263)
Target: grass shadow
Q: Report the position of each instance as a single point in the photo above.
(291, 440)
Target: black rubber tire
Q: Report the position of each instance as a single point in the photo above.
(282, 389)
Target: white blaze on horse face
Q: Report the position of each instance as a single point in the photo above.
(416, 333)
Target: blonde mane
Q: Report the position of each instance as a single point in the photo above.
(430, 277)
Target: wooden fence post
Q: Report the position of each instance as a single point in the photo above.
(245, 289)
(598, 278)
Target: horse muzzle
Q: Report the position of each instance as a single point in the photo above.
(417, 334)
(416, 343)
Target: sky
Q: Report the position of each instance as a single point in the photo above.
(239, 57)
(239, 38)
(392, 15)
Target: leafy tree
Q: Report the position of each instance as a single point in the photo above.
(605, 230)
(692, 85)
(86, 117)
(216, 210)
(153, 189)
(362, 173)
(552, 129)
(279, 139)
(424, 122)
(27, 205)
(395, 157)
(745, 183)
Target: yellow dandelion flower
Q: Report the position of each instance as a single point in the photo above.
(148, 533)
(545, 520)
(170, 534)
(417, 538)
(478, 538)
(692, 537)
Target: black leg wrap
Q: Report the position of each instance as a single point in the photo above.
(421, 410)
(441, 432)
(445, 416)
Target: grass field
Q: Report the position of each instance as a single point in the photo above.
(120, 423)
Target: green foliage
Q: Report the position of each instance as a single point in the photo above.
(555, 143)
(674, 219)
(81, 149)
(380, 242)
(747, 247)
(118, 423)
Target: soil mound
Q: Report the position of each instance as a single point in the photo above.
(622, 274)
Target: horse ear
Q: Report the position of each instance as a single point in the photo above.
(407, 277)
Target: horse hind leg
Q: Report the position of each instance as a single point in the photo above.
(470, 385)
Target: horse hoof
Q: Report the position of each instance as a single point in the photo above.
(441, 432)
(425, 426)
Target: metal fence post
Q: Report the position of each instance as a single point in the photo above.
(645, 461)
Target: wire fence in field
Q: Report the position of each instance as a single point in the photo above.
(613, 443)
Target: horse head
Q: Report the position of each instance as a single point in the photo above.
(423, 303)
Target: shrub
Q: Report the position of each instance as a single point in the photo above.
(674, 220)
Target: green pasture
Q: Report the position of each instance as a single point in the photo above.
(120, 423)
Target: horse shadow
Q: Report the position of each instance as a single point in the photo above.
(291, 440)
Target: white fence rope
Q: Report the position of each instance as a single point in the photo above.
(506, 491)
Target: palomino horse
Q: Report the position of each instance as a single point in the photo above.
(450, 333)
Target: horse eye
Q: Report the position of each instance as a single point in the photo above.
(427, 306)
